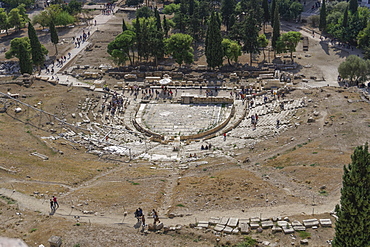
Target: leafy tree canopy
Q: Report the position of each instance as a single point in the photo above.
(179, 46)
(364, 37)
(232, 50)
(53, 13)
(144, 12)
(289, 10)
(15, 19)
(120, 47)
(133, 2)
(64, 19)
(291, 39)
(171, 8)
(4, 21)
(73, 7)
(354, 68)
(16, 3)
(14, 47)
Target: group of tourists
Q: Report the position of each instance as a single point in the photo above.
(81, 39)
(108, 8)
(206, 147)
(54, 205)
(316, 5)
(114, 105)
(139, 215)
(150, 93)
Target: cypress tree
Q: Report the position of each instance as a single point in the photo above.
(352, 228)
(255, 11)
(25, 63)
(244, 5)
(54, 36)
(250, 40)
(194, 24)
(146, 39)
(124, 26)
(345, 24)
(182, 19)
(213, 46)
(345, 18)
(276, 27)
(191, 7)
(158, 19)
(322, 25)
(38, 57)
(138, 31)
(166, 27)
(273, 6)
(157, 39)
(266, 12)
(353, 6)
(227, 10)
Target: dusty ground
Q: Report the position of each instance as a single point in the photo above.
(295, 174)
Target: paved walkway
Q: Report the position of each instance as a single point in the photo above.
(57, 75)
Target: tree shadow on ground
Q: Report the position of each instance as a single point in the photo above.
(325, 47)
(5, 40)
(341, 53)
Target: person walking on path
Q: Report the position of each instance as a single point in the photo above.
(155, 217)
(143, 220)
(224, 136)
(51, 205)
(138, 214)
(55, 203)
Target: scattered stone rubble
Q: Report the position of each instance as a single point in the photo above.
(227, 225)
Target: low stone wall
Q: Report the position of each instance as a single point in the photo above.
(146, 131)
(137, 124)
(191, 99)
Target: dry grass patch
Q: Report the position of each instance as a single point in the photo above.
(309, 154)
(113, 195)
(29, 188)
(316, 177)
(227, 189)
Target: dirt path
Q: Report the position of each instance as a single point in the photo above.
(26, 202)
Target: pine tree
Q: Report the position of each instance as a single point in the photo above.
(322, 25)
(38, 57)
(25, 63)
(353, 6)
(54, 36)
(124, 26)
(276, 27)
(266, 12)
(213, 45)
(352, 228)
